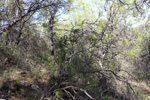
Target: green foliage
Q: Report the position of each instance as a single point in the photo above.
(89, 32)
(45, 25)
(76, 67)
(57, 95)
(9, 54)
(76, 30)
(122, 8)
(125, 41)
(113, 64)
(106, 39)
(135, 31)
(135, 12)
(131, 53)
(95, 41)
(61, 45)
(139, 93)
(92, 85)
(105, 97)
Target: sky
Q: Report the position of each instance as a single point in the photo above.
(96, 6)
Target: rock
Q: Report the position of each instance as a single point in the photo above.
(35, 87)
(32, 86)
(25, 83)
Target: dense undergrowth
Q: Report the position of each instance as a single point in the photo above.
(26, 77)
(82, 55)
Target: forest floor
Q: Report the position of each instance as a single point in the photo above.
(146, 92)
(38, 76)
(143, 87)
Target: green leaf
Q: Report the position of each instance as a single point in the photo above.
(135, 31)
(135, 12)
(95, 41)
(57, 93)
(131, 53)
(44, 25)
(122, 8)
(125, 52)
(93, 36)
(125, 41)
(106, 39)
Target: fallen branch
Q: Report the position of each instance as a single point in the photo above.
(79, 89)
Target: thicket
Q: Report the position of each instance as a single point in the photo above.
(85, 56)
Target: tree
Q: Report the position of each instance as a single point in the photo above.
(87, 47)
